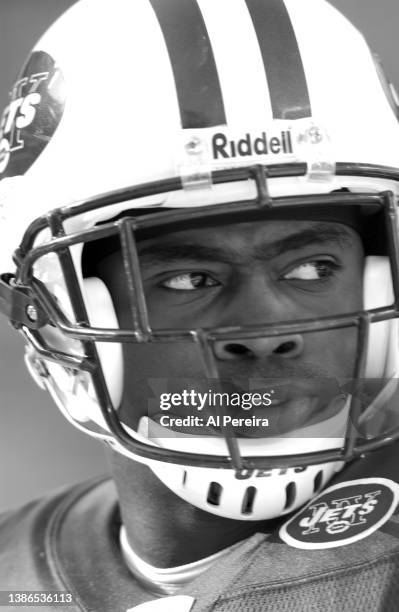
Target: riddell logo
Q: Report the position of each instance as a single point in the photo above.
(249, 146)
(343, 514)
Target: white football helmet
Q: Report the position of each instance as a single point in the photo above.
(133, 118)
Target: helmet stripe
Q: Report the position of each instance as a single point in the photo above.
(281, 58)
(193, 63)
(239, 63)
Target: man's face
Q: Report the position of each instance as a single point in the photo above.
(244, 274)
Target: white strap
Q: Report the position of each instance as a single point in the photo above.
(176, 603)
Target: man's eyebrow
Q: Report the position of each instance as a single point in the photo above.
(320, 233)
(176, 252)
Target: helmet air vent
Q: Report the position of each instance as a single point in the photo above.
(214, 494)
(318, 481)
(248, 500)
(184, 478)
(290, 493)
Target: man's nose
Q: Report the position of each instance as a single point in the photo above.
(286, 347)
(256, 303)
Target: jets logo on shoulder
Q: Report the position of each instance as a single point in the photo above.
(342, 514)
(32, 115)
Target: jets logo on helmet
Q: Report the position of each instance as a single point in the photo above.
(32, 116)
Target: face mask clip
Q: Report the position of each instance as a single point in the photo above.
(315, 148)
(17, 304)
(194, 165)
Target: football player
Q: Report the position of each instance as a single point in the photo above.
(199, 245)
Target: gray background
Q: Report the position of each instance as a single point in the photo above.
(38, 450)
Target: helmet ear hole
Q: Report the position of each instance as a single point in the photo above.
(101, 313)
(378, 292)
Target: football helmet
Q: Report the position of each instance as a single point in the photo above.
(131, 120)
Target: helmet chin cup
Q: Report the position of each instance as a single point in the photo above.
(253, 496)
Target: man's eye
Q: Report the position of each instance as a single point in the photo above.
(189, 281)
(313, 270)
